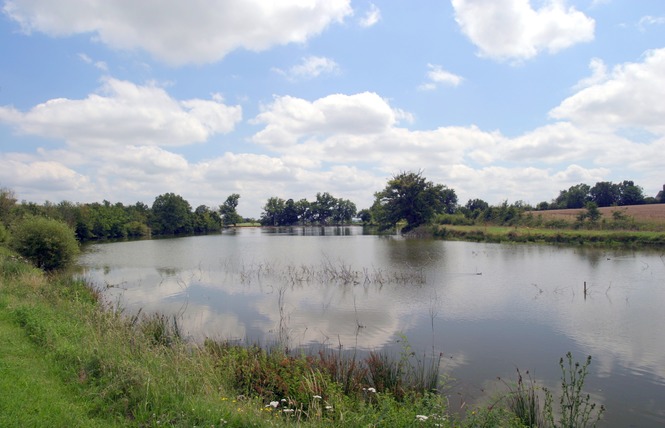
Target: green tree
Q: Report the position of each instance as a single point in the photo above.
(7, 202)
(409, 196)
(605, 194)
(591, 213)
(343, 211)
(49, 244)
(289, 216)
(273, 212)
(365, 216)
(630, 194)
(206, 220)
(474, 208)
(171, 215)
(322, 207)
(228, 211)
(575, 197)
(304, 211)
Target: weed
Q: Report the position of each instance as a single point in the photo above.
(575, 408)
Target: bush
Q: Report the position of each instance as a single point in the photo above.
(3, 234)
(49, 244)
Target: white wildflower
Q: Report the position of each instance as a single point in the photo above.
(422, 418)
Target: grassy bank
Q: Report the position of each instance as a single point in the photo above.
(477, 233)
(67, 360)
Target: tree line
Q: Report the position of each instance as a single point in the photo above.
(170, 214)
(408, 198)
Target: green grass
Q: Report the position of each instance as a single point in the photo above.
(31, 388)
(556, 236)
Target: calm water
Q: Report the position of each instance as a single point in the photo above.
(490, 308)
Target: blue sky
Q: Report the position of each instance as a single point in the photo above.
(497, 99)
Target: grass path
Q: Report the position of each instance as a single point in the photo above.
(31, 391)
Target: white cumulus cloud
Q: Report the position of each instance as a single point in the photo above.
(128, 114)
(179, 32)
(630, 97)
(514, 30)
(289, 119)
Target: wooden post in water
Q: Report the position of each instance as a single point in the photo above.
(584, 290)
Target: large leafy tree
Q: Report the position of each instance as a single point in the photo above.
(575, 197)
(228, 211)
(630, 194)
(605, 193)
(273, 212)
(171, 215)
(410, 197)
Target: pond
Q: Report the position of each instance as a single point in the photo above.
(489, 308)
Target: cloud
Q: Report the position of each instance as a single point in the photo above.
(372, 16)
(648, 20)
(437, 75)
(630, 97)
(289, 119)
(598, 74)
(514, 30)
(176, 32)
(123, 113)
(48, 176)
(100, 65)
(309, 68)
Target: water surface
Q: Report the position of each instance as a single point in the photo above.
(489, 308)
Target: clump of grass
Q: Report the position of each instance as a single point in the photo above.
(523, 401)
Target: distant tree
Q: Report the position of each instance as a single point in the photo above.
(304, 210)
(474, 208)
(343, 211)
(322, 208)
(289, 216)
(7, 202)
(409, 196)
(228, 211)
(605, 194)
(575, 197)
(206, 220)
(365, 216)
(630, 194)
(171, 215)
(273, 211)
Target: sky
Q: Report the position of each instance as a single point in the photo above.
(502, 100)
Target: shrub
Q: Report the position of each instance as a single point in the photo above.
(3, 234)
(49, 244)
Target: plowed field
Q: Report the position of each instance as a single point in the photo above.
(641, 213)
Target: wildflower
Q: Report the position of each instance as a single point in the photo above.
(288, 410)
(329, 407)
(422, 418)
(371, 390)
(317, 396)
(273, 404)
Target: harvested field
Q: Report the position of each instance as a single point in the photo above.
(641, 213)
